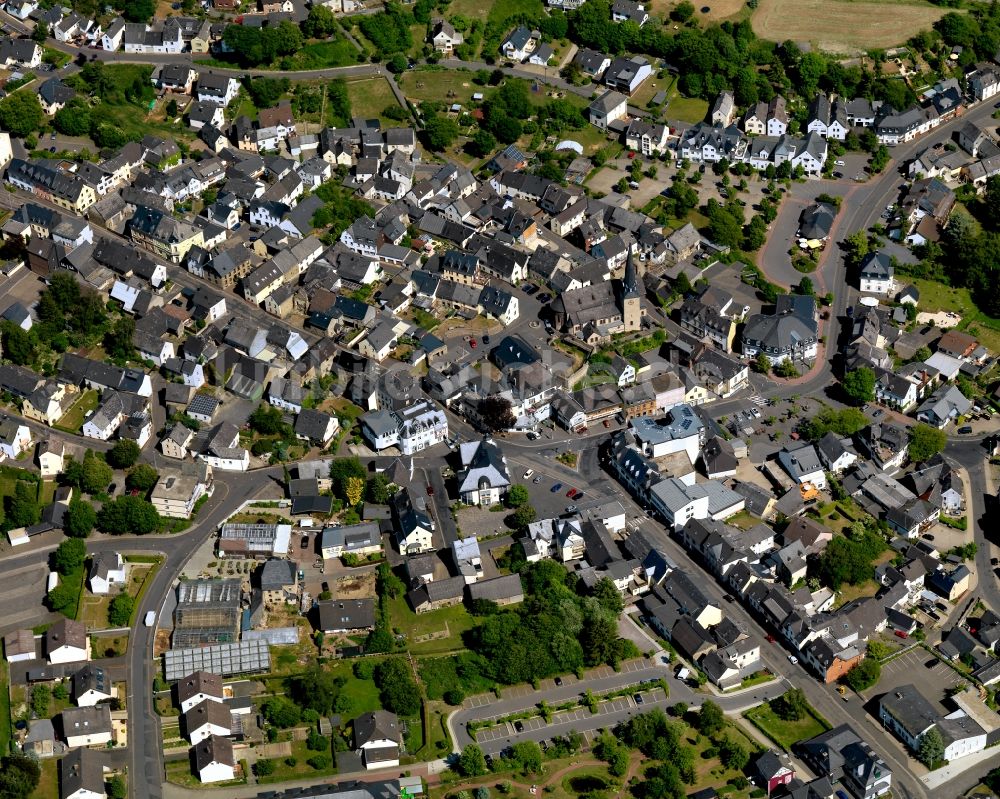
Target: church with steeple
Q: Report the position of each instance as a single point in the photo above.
(599, 311)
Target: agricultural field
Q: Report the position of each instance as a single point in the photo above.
(844, 26)
(717, 11)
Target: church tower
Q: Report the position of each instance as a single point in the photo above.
(631, 297)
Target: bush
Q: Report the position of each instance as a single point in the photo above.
(363, 669)
(319, 762)
(263, 768)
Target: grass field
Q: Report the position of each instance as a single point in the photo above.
(440, 85)
(321, 55)
(456, 620)
(786, 733)
(718, 10)
(685, 109)
(72, 420)
(5, 729)
(370, 97)
(843, 25)
(501, 10)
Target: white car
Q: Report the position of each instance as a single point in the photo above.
(793, 660)
(746, 309)
(839, 163)
(527, 474)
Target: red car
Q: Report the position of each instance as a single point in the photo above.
(430, 490)
(570, 493)
(472, 343)
(770, 638)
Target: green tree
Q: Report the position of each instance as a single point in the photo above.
(41, 32)
(22, 508)
(320, 23)
(864, 675)
(62, 599)
(608, 595)
(791, 705)
(116, 787)
(377, 489)
(482, 143)
(123, 454)
(128, 515)
(315, 689)
(523, 516)
(120, 610)
(859, 385)
(138, 10)
(925, 442)
(281, 712)
(69, 556)
(21, 114)
(517, 496)
(931, 749)
(263, 767)
(761, 364)
(18, 344)
(41, 697)
(19, 775)
(440, 132)
(471, 762)
(118, 340)
(786, 369)
(398, 690)
(528, 756)
(93, 476)
(806, 288)
(733, 755)
(682, 12)
(342, 470)
(266, 420)
(142, 478)
(73, 119)
(710, 719)
(80, 518)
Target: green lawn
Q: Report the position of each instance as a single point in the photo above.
(370, 97)
(473, 9)
(48, 784)
(936, 296)
(786, 733)
(456, 620)
(439, 85)
(686, 109)
(301, 769)
(502, 10)
(73, 419)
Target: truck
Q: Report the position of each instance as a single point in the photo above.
(149, 618)
(53, 581)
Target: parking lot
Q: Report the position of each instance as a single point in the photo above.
(609, 712)
(918, 667)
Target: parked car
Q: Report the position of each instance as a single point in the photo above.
(519, 726)
(637, 698)
(556, 487)
(966, 430)
(902, 633)
(486, 339)
(770, 638)
(571, 509)
(558, 680)
(571, 493)
(527, 474)
(793, 660)
(304, 543)
(430, 490)
(472, 343)
(537, 480)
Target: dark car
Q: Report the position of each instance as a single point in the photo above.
(486, 339)
(530, 289)
(728, 598)
(965, 430)
(518, 726)
(556, 488)
(544, 298)
(304, 543)
(558, 680)
(930, 664)
(430, 490)
(637, 698)
(326, 586)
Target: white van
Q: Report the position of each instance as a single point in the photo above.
(150, 618)
(53, 580)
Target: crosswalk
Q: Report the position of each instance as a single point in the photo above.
(757, 400)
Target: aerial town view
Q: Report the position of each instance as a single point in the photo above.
(497, 399)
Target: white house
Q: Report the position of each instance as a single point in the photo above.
(609, 107)
(876, 274)
(66, 642)
(483, 479)
(198, 687)
(50, 457)
(214, 759)
(107, 569)
(206, 719)
(15, 438)
(87, 726)
(803, 464)
(377, 737)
